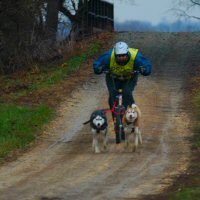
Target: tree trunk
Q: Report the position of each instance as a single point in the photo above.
(52, 18)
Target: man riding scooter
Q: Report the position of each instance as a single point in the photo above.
(122, 61)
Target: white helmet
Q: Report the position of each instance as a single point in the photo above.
(120, 48)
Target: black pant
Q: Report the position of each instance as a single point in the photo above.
(127, 87)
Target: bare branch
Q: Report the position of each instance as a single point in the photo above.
(186, 8)
(66, 11)
(195, 2)
(73, 4)
(183, 13)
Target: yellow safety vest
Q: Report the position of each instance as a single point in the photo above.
(122, 70)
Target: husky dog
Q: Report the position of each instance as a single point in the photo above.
(132, 120)
(99, 125)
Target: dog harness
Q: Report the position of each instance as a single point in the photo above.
(122, 71)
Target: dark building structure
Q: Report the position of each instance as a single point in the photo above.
(98, 16)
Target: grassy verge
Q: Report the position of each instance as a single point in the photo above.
(190, 189)
(21, 124)
(197, 105)
(43, 77)
(187, 194)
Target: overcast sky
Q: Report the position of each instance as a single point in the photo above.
(154, 11)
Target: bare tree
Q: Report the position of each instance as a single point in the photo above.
(74, 10)
(186, 8)
(52, 17)
(28, 30)
(20, 26)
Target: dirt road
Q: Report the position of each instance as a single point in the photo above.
(63, 166)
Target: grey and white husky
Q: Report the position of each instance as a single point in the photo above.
(99, 126)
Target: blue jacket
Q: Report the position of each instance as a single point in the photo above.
(104, 61)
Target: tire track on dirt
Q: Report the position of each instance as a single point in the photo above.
(63, 166)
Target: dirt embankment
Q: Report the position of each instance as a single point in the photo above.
(64, 167)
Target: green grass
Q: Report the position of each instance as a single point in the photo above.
(191, 190)
(75, 63)
(19, 125)
(187, 194)
(197, 105)
(197, 100)
(48, 75)
(94, 48)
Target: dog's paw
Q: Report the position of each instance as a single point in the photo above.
(134, 148)
(105, 147)
(119, 147)
(126, 144)
(133, 105)
(140, 139)
(97, 150)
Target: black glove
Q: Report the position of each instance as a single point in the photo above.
(98, 70)
(142, 69)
